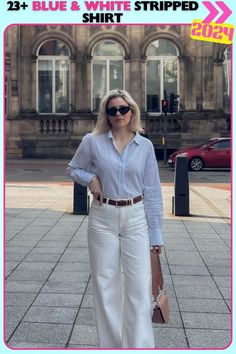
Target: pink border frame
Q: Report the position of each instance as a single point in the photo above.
(4, 195)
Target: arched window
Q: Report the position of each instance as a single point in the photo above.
(53, 69)
(108, 69)
(226, 79)
(161, 73)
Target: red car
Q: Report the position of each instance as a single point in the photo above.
(213, 153)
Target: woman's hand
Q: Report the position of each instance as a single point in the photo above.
(96, 189)
(156, 249)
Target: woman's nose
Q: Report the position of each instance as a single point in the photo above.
(118, 113)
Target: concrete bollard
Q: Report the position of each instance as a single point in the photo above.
(181, 199)
(81, 200)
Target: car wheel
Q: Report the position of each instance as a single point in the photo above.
(196, 164)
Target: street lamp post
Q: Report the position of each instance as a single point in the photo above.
(164, 137)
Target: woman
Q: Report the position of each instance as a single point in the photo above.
(120, 169)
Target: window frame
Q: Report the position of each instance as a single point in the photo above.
(107, 59)
(161, 59)
(52, 58)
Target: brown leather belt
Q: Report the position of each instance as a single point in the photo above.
(121, 203)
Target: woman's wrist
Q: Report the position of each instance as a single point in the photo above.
(92, 180)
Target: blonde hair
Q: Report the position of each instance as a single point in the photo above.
(103, 125)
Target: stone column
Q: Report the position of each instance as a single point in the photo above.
(33, 83)
(73, 84)
(89, 80)
(181, 84)
(218, 84)
(143, 106)
(135, 67)
(12, 48)
(83, 70)
(199, 83)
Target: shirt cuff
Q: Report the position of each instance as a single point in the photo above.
(155, 237)
(87, 178)
(80, 176)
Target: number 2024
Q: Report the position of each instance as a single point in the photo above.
(212, 31)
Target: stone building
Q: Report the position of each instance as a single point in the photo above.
(57, 74)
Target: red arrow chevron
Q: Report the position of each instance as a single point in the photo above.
(214, 12)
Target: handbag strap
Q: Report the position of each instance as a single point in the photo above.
(157, 276)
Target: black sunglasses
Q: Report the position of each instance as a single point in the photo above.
(123, 110)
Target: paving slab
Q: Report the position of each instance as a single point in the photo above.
(222, 281)
(69, 276)
(19, 286)
(62, 300)
(187, 259)
(206, 338)
(188, 270)
(64, 287)
(203, 305)
(220, 271)
(19, 249)
(15, 313)
(203, 320)
(24, 274)
(38, 257)
(10, 266)
(84, 334)
(42, 332)
(48, 266)
(76, 346)
(74, 267)
(14, 257)
(35, 345)
(194, 280)
(226, 292)
(86, 316)
(170, 338)
(10, 327)
(197, 292)
(51, 314)
(88, 301)
(46, 250)
(20, 299)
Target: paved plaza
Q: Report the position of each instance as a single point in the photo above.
(49, 300)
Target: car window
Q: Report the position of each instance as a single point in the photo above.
(204, 145)
(225, 144)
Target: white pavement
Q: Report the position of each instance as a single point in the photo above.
(48, 290)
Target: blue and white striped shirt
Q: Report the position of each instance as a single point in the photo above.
(122, 176)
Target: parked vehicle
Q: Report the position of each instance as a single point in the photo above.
(215, 153)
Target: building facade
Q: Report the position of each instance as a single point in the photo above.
(57, 74)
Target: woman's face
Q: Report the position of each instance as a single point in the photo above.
(120, 119)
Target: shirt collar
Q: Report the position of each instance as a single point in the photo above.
(136, 138)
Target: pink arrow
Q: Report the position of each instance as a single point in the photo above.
(213, 11)
(226, 12)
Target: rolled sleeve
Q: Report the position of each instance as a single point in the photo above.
(79, 166)
(153, 203)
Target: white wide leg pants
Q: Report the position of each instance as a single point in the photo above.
(118, 237)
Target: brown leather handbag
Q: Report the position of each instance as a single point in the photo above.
(161, 306)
